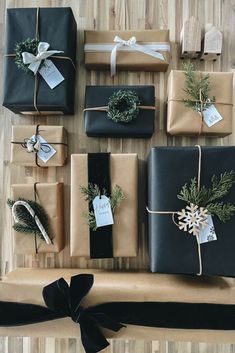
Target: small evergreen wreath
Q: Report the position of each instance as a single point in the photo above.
(29, 45)
(123, 106)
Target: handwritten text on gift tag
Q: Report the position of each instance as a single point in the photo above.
(102, 210)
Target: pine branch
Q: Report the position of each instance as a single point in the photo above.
(204, 197)
(92, 191)
(196, 83)
(224, 211)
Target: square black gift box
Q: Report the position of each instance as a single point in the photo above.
(171, 249)
(97, 123)
(56, 26)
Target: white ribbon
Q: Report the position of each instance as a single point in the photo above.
(37, 220)
(133, 45)
(35, 61)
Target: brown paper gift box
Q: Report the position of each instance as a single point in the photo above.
(185, 121)
(134, 61)
(123, 171)
(50, 197)
(120, 286)
(56, 134)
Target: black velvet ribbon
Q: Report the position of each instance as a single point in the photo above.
(101, 240)
(63, 300)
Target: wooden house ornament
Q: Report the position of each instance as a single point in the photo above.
(212, 44)
(190, 38)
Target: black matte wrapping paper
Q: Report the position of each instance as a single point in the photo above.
(173, 250)
(98, 125)
(56, 26)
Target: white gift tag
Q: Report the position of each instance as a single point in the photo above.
(208, 233)
(102, 210)
(51, 74)
(46, 152)
(211, 116)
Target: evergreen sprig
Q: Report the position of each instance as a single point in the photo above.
(29, 45)
(27, 223)
(196, 82)
(92, 191)
(123, 106)
(204, 197)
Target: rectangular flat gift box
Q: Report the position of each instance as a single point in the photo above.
(98, 125)
(171, 249)
(50, 197)
(120, 286)
(55, 26)
(98, 46)
(124, 173)
(185, 121)
(56, 134)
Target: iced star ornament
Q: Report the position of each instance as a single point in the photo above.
(192, 219)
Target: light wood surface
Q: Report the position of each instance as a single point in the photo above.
(109, 14)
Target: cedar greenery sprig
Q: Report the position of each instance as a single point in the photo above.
(205, 197)
(195, 83)
(91, 191)
(123, 106)
(29, 45)
(27, 223)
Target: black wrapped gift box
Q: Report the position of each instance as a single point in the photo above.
(56, 26)
(173, 250)
(98, 125)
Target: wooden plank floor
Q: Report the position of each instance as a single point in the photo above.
(108, 14)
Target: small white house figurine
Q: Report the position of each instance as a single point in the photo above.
(212, 44)
(190, 38)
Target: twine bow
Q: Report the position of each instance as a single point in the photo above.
(43, 53)
(131, 42)
(33, 145)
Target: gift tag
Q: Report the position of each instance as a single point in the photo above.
(102, 210)
(51, 74)
(208, 233)
(46, 151)
(211, 116)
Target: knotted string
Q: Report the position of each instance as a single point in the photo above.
(175, 212)
(52, 57)
(46, 144)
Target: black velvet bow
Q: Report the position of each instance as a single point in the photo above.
(66, 301)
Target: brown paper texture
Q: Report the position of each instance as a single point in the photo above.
(20, 156)
(127, 60)
(185, 121)
(121, 286)
(124, 170)
(50, 197)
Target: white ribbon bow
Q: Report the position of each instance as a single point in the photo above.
(37, 220)
(43, 53)
(133, 45)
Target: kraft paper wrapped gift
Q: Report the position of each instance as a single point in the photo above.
(50, 197)
(99, 44)
(185, 121)
(55, 136)
(119, 240)
(173, 250)
(122, 287)
(25, 93)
